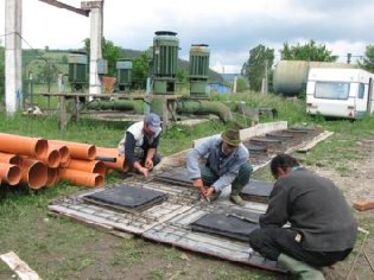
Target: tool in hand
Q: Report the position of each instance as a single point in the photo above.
(245, 219)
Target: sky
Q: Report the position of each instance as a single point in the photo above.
(231, 28)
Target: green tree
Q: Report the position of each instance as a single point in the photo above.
(140, 69)
(254, 69)
(367, 62)
(242, 85)
(309, 51)
(110, 51)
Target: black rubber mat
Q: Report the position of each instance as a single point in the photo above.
(229, 225)
(258, 191)
(127, 198)
(303, 130)
(264, 141)
(177, 176)
(279, 135)
(256, 148)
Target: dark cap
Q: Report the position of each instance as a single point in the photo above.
(153, 121)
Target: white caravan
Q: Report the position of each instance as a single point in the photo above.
(335, 92)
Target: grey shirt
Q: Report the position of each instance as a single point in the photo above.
(316, 208)
(226, 168)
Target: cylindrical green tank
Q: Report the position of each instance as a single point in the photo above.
(290, 76)
(78, 66)
(124, 74)
(199, 61)
(165, 58)
(199, 67)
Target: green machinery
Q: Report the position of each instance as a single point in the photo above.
(198, 72)
(124, 74)
(165, 57)
(78, 69)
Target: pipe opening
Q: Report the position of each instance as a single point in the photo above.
(91, 153)
(64, 153)
(13, 175)
(99, 168)
(16, 160)
(99, 180)
(41, 147)
(54, 159)
(37, 175)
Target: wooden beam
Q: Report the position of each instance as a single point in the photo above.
(23, 271)
(61, 5)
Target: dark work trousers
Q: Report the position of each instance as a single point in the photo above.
(245, 171)
(271, 242)
(141, 153)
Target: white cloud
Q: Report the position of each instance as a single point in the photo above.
(231, 28)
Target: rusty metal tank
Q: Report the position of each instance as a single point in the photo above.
(290, 76)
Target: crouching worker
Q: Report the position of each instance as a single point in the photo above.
(139, 144)
(227, 163)
(323, 230)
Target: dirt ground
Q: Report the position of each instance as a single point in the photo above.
(356, 182)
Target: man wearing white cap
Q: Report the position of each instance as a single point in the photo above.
(139, 144)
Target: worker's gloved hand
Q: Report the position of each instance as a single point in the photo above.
(148, 164)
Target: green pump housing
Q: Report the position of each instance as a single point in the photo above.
(199, 68)
(78, 70)
(124, 74)
(165, 58)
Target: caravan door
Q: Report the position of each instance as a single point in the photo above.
(361, 99)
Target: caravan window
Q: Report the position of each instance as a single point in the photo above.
(332, 90)
(361, 90)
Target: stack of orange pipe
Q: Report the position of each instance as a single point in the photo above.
(38, 162)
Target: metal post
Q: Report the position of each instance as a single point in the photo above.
(235, 84)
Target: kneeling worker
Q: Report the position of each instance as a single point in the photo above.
(140, 142)
(323, 230)
(227, 164)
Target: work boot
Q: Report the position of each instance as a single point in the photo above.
(299, 269)
(235, 198)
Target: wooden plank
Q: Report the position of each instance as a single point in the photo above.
(22, 269)
(61, 5)
(311, 144)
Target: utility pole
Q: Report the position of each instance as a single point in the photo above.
(349, 57)
(13, 55)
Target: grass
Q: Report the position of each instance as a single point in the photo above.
(58, 248)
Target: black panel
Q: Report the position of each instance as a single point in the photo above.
(225, 225)
(127, 198)
(257, 191)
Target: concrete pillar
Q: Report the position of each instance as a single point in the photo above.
(234, 90)
(13, 55)
(96, 17)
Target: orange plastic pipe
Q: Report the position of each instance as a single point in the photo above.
(34, 173)
(120, 163)
(10, 158)
(53, 177)
(10, 173)
(81, 178)
(90, 166)
(64, 152)
(51, 158)
(78, 150)
(15, 144)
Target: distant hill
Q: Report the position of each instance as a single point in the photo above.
(34, 60)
